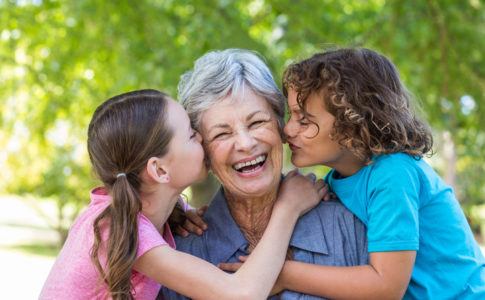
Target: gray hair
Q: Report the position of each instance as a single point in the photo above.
(218, 74)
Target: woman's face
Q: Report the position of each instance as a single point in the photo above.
(185, 155)
(311, 145)
(243, 144)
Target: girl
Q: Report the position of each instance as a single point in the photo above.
(145, 152)
(350, 112)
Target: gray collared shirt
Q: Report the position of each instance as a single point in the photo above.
(328, 234)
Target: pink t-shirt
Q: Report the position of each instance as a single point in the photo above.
(74, 276)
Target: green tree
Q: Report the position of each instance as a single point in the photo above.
(60, 59)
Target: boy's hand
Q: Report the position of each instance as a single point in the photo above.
(298, 193)
(233, 267)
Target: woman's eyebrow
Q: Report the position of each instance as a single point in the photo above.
(218, 126)
(254, 113)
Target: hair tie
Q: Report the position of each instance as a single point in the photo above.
(120, 174)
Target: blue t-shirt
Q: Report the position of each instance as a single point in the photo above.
(406, 206)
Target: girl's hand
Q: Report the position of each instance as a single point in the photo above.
(184, 219)
(301, 193)
(193, 222)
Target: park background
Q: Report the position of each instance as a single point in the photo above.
(60, 59)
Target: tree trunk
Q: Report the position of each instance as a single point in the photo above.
(449, 153)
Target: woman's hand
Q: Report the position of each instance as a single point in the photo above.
(301, 193)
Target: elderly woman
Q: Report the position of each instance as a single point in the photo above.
(233, 102)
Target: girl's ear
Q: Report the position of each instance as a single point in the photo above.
(157, 170)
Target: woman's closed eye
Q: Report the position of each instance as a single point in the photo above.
(220, 135)
(256, 123)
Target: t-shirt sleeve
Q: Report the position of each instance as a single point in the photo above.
(393, 220)
(148, 236)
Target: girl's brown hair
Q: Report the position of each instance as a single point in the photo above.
(362, 90)
(124, 133)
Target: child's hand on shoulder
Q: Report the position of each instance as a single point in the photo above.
(301, 192)
(193, 222)
(183, 222)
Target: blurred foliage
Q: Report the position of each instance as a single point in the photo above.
(60, 59)
(43, 249)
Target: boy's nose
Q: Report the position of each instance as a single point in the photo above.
(290, 129)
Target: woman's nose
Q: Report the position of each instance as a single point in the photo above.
(245, 141)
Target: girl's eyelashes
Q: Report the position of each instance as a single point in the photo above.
(194, 134)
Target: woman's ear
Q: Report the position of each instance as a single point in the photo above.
(157, 170)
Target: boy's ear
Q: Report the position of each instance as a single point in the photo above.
(157, 170)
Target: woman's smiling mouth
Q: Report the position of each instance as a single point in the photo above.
(250, 165)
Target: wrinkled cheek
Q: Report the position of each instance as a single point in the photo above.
(277, 158)
(211, 152)
(217, 155)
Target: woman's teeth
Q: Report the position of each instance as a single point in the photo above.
(254, 162)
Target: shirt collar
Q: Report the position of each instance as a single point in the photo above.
(309, 233)
(99, 195)
(225, 238)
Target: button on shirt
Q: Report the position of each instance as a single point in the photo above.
(328, 234)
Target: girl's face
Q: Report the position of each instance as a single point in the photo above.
(186, 156)
(311, 145)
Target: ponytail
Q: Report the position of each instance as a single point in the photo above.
(123, 134)
(122, 241)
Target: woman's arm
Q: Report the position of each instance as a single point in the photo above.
(197, 278)
(386, 277)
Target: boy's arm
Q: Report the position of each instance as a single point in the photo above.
(386, 277)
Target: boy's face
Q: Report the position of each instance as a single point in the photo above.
(311, 144)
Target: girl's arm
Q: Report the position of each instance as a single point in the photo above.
(197, 278)
(386, 277)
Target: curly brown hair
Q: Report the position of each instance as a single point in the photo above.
(362, 90)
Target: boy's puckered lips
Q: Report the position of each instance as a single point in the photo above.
(292, 146)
